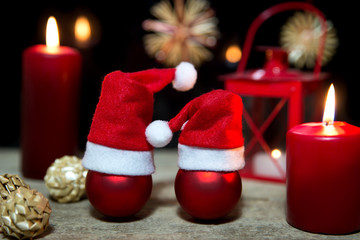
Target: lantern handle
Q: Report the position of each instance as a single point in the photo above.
(275, 10)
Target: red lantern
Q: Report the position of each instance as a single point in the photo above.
(274, 80)
(117, 195)
(207, 195)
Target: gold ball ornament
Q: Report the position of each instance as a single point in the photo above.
(65, 179)
(9, 183)
(25, 213)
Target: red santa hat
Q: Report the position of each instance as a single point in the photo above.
(117, 142)
(211, 137)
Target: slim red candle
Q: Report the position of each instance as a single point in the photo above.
(323, 176)
(50, 92)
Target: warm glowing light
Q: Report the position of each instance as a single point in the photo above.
(276, 153)
(208, 177)
(52, 34)
(329, 111)
(82, 29)
(233, 54)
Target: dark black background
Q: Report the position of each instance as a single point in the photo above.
(120, 46)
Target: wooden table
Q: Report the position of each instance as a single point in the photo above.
(260, 214)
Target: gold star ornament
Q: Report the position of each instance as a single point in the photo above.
(301, 36)
(182, 32)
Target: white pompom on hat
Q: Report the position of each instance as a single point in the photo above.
(158, 133)
(185, 77)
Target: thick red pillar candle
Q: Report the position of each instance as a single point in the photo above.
(323, 177)
(50, 92)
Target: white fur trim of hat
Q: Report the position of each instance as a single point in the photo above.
(210, 159)
(117, 161)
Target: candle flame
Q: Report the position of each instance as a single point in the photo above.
(82, 29)
(233, 54)
(52, 35)
(329, 111)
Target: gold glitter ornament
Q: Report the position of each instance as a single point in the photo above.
(25, 213)
(301, 36)
(9, 183)
(65, 179)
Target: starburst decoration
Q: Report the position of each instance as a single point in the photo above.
(301, 36)
(182, 32)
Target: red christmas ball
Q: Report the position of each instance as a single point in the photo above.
(117, 195)
(207, 195)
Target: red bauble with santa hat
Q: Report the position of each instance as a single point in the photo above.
(211, 151)
(118, 156)
(117, 195)
(207, 195)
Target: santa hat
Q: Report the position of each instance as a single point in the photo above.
(211, 137)
(116, 142)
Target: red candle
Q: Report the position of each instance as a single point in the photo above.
(50, 92)
(323, 177)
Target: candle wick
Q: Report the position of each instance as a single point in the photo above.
(327, 123)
